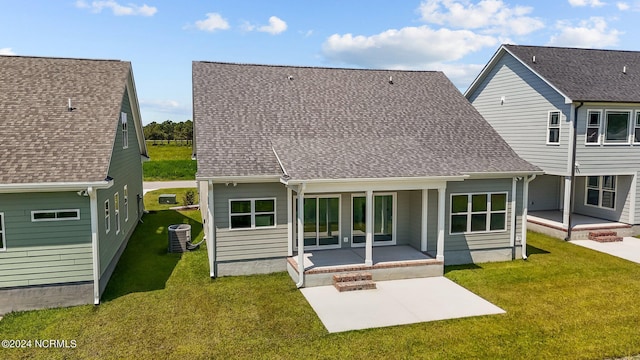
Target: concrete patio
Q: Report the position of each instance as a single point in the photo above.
(628, 248)
(550, 223)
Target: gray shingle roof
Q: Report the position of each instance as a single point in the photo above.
(326, 123)
(586, 74)
(41, 141)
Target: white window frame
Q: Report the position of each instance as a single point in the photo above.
(116, 211)
(125, 194)
(253, 214)
(598, 127)
(600, 192)
(550, 127)
(295, 222)
(107, 217)
(55, 216)
(488, 212)
(125, 130)
(606, 122)
(636, 128)
(3, 233)
(394, 219)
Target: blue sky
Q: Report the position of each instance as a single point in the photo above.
(162, 38)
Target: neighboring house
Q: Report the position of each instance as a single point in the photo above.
(563, 106)
(70, 178)
(361, 158)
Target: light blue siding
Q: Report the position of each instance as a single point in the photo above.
(621, 211)
(522, 118)
(545, 193)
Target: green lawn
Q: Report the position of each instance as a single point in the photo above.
(151, 198)
(169, 162)
(565, 302)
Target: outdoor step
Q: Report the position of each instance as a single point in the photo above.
(594, 234)
(607, 238)
(349, 277)
(355, 285)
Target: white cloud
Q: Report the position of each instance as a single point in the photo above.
(6, 51)
(165, 106)
(591, 3)
(276, 26)
(407, 48)
(117, 9)
(622, 6)
(488, 16)
(213, 22)
(593, 32)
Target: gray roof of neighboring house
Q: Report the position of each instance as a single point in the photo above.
(585, 74)
(43, 142)
(327, 123)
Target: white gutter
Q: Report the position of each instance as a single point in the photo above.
(386, 179)
(239, 179)
(54, 187)
(525, 200)
(93, 206)
(300, 236)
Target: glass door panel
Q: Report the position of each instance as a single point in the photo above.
(359, 220)
(328, 221)
(383, 218)
(310, 221)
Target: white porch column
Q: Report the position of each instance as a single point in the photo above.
(289, 222)
(211, 230)
(441, 214)
(368, 259)
(566, 209)
(95, 246)
(423, 228)
(300, 236)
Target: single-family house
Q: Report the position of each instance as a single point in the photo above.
(575, 113)
(71, 154)
(323, 170)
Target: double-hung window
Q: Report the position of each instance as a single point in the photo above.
(636, 129)
(616, 127)
(116, 205)
(593, 127)
(252, 213)
(107, 217)
(126, 203)
(601, 191)
(477, 213)
(3, 244)
(125, 130)
(553, 128)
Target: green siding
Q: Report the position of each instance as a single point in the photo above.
(125, 168)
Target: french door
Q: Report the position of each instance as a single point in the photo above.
(384, 219)
(321, 221)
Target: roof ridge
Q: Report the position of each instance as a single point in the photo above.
(311, 67)
(60, 58)
(571, 48)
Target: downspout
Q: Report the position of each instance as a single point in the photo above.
(300, 228)
(525, 200)
(573, 168)
(93, 206)
(512, 233)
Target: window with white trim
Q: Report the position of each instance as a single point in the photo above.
(252, 213)
(478, 212)
(636, 129)
(125, 193)
(125, 130)
(601, 191)
(55, 215)
(616, 127)
(553, 128)
(116, 211)
(107, 217)
(3, 244)
(593, 127)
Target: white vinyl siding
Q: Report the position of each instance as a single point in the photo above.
(601, 191)
(55, 215)
(592, 136)
(252, 213)
(553, 128)
(125, 131)
(478, 212)
(107, 217)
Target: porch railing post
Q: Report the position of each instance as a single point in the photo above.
(300, 236)
(368, 259)
(423, 228)
(566, 207)
(441, 214)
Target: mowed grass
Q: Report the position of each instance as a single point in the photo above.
(565, 302)
(169, 162)
(151, 198)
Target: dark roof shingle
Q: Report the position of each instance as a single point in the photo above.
(585, 74)
(43, 142)
(326, 123)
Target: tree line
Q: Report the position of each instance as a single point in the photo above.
(169, 130)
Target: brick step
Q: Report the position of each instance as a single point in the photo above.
(355, 285)
(349, 277)
(594, 234)
(607, 238)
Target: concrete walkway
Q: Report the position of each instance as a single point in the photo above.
(628, 248)
(155, 185)
(395, 302)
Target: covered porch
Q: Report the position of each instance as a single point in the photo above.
(550, 222)
(388, 263)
